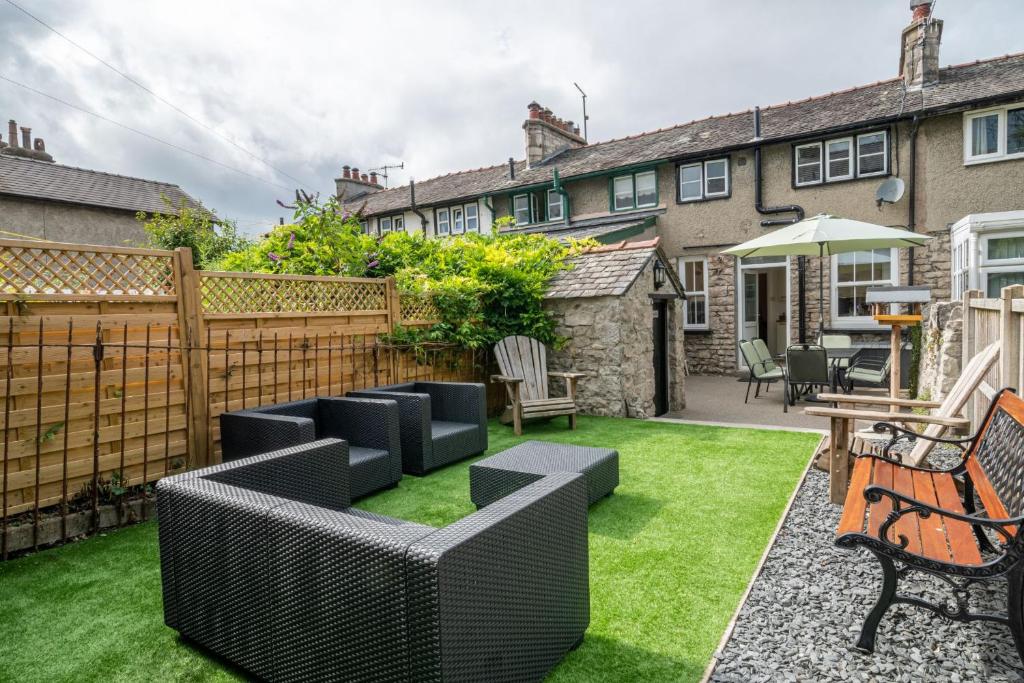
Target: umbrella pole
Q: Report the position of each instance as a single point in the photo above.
(821, 292)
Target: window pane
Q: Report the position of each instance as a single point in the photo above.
(1006, 248)
(808, 164)
(985, 135)
(715, 177)
(385, 225)
(472, 220)
(1015, 131)
(871, 154)
(457, 224)
(693, 276)
(847, 301)
(554, 206)
(695, 310)
(883, 265)
(996, 281)
(442, 221)
(839, 159)
(690, 182)
(522, 209)
(844, 269)
(862, 269)
(399, 223)
(623, 188)
(646, 189)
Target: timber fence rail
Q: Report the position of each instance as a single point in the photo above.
(988, 320)
(118, 362)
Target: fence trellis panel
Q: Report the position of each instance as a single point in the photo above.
(117, 362)
(994, 320)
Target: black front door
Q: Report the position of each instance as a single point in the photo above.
(660, 329)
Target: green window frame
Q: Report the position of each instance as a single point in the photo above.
(635, 185)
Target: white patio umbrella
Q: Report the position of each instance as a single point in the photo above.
(825, 235)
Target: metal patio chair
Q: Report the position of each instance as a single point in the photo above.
(806, 369)
(867, 370)
(762, 370)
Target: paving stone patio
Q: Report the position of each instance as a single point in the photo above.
(806, 608)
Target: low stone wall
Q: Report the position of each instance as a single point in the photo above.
(941, 349)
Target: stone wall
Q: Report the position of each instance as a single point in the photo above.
(713, 351)
(941, 349)
(611, 340)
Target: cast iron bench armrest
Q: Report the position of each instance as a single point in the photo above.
(903, 504)
(899, 434)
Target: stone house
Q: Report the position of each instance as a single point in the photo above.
(44, 199)
(947, 144)
(620, 308)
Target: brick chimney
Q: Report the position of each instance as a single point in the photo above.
(547, 134)
(919, 47)
(352, 185)
(28, 148)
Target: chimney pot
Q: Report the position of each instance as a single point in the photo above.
(40, 146)
(364, 178)
(355, 173)
(922, 9)
(346, 171)
(576, 130)
(534, 110)
(26, 137)
(12, 133)
(373, 177)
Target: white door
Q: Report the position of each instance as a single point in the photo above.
(750, 307)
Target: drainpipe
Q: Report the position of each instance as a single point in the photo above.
(412, 202)
(801, 284)
(557, 187)
(758, 195)
(912, 193)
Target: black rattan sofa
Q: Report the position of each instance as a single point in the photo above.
(442, 422)
(369, 426)
(264, 563)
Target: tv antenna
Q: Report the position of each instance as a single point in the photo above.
(382, 171)
(585, 117)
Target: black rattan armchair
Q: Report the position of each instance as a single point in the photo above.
(263, 564)
(369, 426)
(442, 422)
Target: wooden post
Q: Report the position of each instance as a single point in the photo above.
(838, 459)
(393, 304)
(192, 335)
(895, 349)
(970, 343)
(1010, 339)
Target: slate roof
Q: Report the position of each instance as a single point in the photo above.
(72, 185)
(603, 228)
(960, 85)
(608, 271)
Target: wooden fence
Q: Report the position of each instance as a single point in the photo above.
(994, 320)
(119, 361)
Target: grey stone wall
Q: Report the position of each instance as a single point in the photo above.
(714, 352)
(611, 340)
(941, 349)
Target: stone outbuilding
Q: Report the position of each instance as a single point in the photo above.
(621, 307)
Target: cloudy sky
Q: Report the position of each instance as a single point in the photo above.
(309, 86)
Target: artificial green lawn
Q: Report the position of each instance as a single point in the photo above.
(670, 555)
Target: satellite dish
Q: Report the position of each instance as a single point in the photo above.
(890, 192)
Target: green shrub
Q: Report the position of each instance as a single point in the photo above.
(485, 287)
(198, 229)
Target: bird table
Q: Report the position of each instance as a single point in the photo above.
(882, 300)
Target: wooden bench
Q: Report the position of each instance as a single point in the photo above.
(915, 519)
(523, 362)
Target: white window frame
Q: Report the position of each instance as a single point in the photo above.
(708, 194)
(458, 220)
(472, 214)
(636, 193)
(443, 219)
(559, 203)
(885, 154)
(615, 192)
(381, 222)
(859, 321)
(700, 183)
(683, 260)
(1002, 118)
(989, 266)
(851, 159)
(398, 224)
(819, 163)
(515, 209)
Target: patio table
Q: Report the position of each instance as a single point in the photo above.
(499, 475)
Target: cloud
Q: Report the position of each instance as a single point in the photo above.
(440, 86)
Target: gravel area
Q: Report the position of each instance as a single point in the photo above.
(806, 608)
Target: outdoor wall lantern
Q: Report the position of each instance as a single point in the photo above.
(659, 274)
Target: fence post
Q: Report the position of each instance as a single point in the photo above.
(193, 361)
(393, 304)
(970, 340)
(1009, 337)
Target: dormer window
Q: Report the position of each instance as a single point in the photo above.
(634, 191)
(704, 180)
(994, 134)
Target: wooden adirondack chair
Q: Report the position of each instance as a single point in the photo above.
(944, 415)
(523, 363)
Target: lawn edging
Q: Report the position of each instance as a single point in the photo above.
(731, 626)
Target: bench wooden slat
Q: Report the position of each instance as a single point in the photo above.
(879, 511)
(908, 525)
(855, 506)
(934, 543)
(963, 547)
